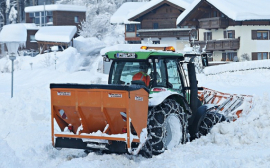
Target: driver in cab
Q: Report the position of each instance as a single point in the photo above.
(142, 75)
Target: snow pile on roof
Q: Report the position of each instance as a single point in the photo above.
(55, 7)
(238, 66)
(236, 10)
(30, 26)
(13, 33)
(181, 3)
(62, 34)
(121, 15)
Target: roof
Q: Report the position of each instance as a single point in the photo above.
(240, 10)
(145, 54)
(55, 7)
(62, 34)
(121, 15)
(155, 3)
(30, 26)
(13, 33)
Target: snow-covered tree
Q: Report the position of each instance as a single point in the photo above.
(12, 15)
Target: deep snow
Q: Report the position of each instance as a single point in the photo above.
(25, 137)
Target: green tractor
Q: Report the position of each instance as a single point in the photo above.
(175, 114)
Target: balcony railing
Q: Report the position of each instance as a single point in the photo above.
(214, 23)
(159, 33)
(219, 45)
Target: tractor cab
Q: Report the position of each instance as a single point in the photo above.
(154, 70)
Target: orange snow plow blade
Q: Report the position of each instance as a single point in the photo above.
(97, 115)
(232, 106)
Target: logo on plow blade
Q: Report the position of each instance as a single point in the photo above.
(115, 95)
(63, 94)
(138, 98)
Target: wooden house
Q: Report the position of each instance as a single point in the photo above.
(230, 30)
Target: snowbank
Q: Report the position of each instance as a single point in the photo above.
(237, 66)
(56, 33)
(86, 46)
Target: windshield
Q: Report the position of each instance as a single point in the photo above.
(124, 72)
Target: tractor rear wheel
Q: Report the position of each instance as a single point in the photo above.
(211, 118)
(167, 126)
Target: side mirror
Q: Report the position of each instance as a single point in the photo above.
(204, 59)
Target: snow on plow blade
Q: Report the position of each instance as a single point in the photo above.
(232, 106)
(99, 116)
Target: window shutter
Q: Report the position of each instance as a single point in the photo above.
(225, 34)
(254, 56)
(204, 36)
(233, 33)
(253, 34)
(223, 57)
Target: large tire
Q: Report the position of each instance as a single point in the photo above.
(167, 126)
(211, 118)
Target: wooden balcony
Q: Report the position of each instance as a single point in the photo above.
(159, 33)
(132, 36)
(219, 45)
(214, 23)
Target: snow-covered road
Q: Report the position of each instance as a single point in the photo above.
(25, 138)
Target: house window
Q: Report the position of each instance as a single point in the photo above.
(214, 13)
(31, 15)
(229, 56)
(49, 13)
(259, 34)
(32, 38)
(76, 19)
(229, 34)
(262, 35)
(155, 25)
(156, 42)
(130, 28)
(138, 26)
(207, 36)
(259, 55)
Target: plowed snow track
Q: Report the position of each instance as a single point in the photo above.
(25, 126)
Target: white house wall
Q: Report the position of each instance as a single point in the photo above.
(247, 45)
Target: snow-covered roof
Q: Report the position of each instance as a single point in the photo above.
(55, 7)
(181, 3)
(62, 34)
(30, 26)
(238, 10)
(13, 33)
(121, 15)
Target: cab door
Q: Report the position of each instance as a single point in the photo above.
(174, 78)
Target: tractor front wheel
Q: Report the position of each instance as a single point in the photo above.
(167, 126)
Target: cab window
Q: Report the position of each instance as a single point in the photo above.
(173, 75)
